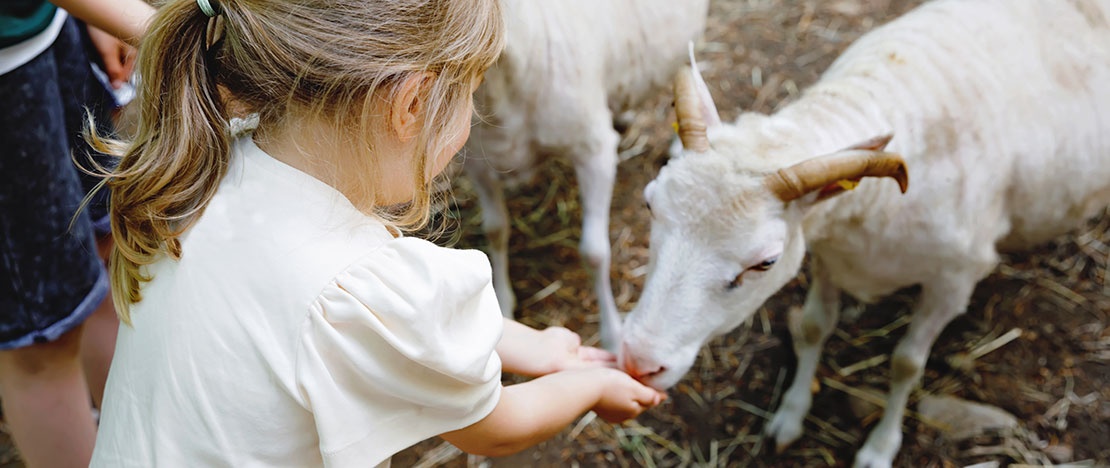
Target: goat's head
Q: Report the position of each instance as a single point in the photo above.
(726, 230)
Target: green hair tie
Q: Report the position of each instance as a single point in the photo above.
(210, 9)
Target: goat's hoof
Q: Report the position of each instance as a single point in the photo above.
(867, 459)
(876, 455)
(785, 428)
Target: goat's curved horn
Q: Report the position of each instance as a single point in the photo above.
(851, 164)
(691, 124)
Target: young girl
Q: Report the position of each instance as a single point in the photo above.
(275, 315)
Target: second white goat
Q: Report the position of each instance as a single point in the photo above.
(570, 69)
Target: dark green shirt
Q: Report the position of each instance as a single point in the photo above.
(22, 19)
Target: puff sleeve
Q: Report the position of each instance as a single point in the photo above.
(400, 348)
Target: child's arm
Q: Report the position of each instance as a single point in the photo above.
(536, 410)
(125, 19)
(530, 352)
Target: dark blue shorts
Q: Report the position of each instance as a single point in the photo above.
(51, 278)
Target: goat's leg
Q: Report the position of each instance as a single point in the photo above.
(596, 172)
(495, 224)
(818, 320)
(941, 301)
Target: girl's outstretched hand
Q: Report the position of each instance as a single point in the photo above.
(533, 411)
(568, 353)
(530, 352)
(625, 398)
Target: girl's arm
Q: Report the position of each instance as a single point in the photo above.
(125, 19)
(530, 352)
(534, 411)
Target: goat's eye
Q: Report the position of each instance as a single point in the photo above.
(648, 205)
(762, 266)
(766, 264)
(736, 282)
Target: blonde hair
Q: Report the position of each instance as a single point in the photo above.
(324, 59)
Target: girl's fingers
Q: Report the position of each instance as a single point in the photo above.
(590, 353)
(648, 396)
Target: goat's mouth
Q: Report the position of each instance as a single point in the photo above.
(660, 379)
(663, 379)
(650, 379)
(650, 368)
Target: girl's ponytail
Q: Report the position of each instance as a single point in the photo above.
(179, 154)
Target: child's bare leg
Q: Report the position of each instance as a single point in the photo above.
(46, 402)
(99, 340)
(97, 345)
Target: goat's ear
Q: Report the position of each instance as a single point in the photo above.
(708, 108)
(877, 143)
(825, 176)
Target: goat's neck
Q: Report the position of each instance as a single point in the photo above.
(826, 119)
(829, 118)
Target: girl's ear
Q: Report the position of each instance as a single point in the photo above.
(406, 110)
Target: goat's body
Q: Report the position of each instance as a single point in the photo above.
(1001, 111)
(1002, 115)
(995, 162)
(570, 69)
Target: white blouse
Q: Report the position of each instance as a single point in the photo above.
(296, 331)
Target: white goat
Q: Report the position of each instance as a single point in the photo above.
(568, 72)
(1001, 110)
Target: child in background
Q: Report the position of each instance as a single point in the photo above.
(57, 327)
(275, 315)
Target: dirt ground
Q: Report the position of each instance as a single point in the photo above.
(1052, 373)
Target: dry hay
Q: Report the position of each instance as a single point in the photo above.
(1034, 341)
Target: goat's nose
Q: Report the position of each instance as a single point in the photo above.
(639, 367)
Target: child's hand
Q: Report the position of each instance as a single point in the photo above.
(530, 412)
(534, 353)
(566, 351)
(118, 57)
(624, 398)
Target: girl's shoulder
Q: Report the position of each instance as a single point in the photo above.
(415, 274)
(405, 333)
(411, 308)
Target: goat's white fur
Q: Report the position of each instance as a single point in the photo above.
(569, 69)
(1001, 110)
